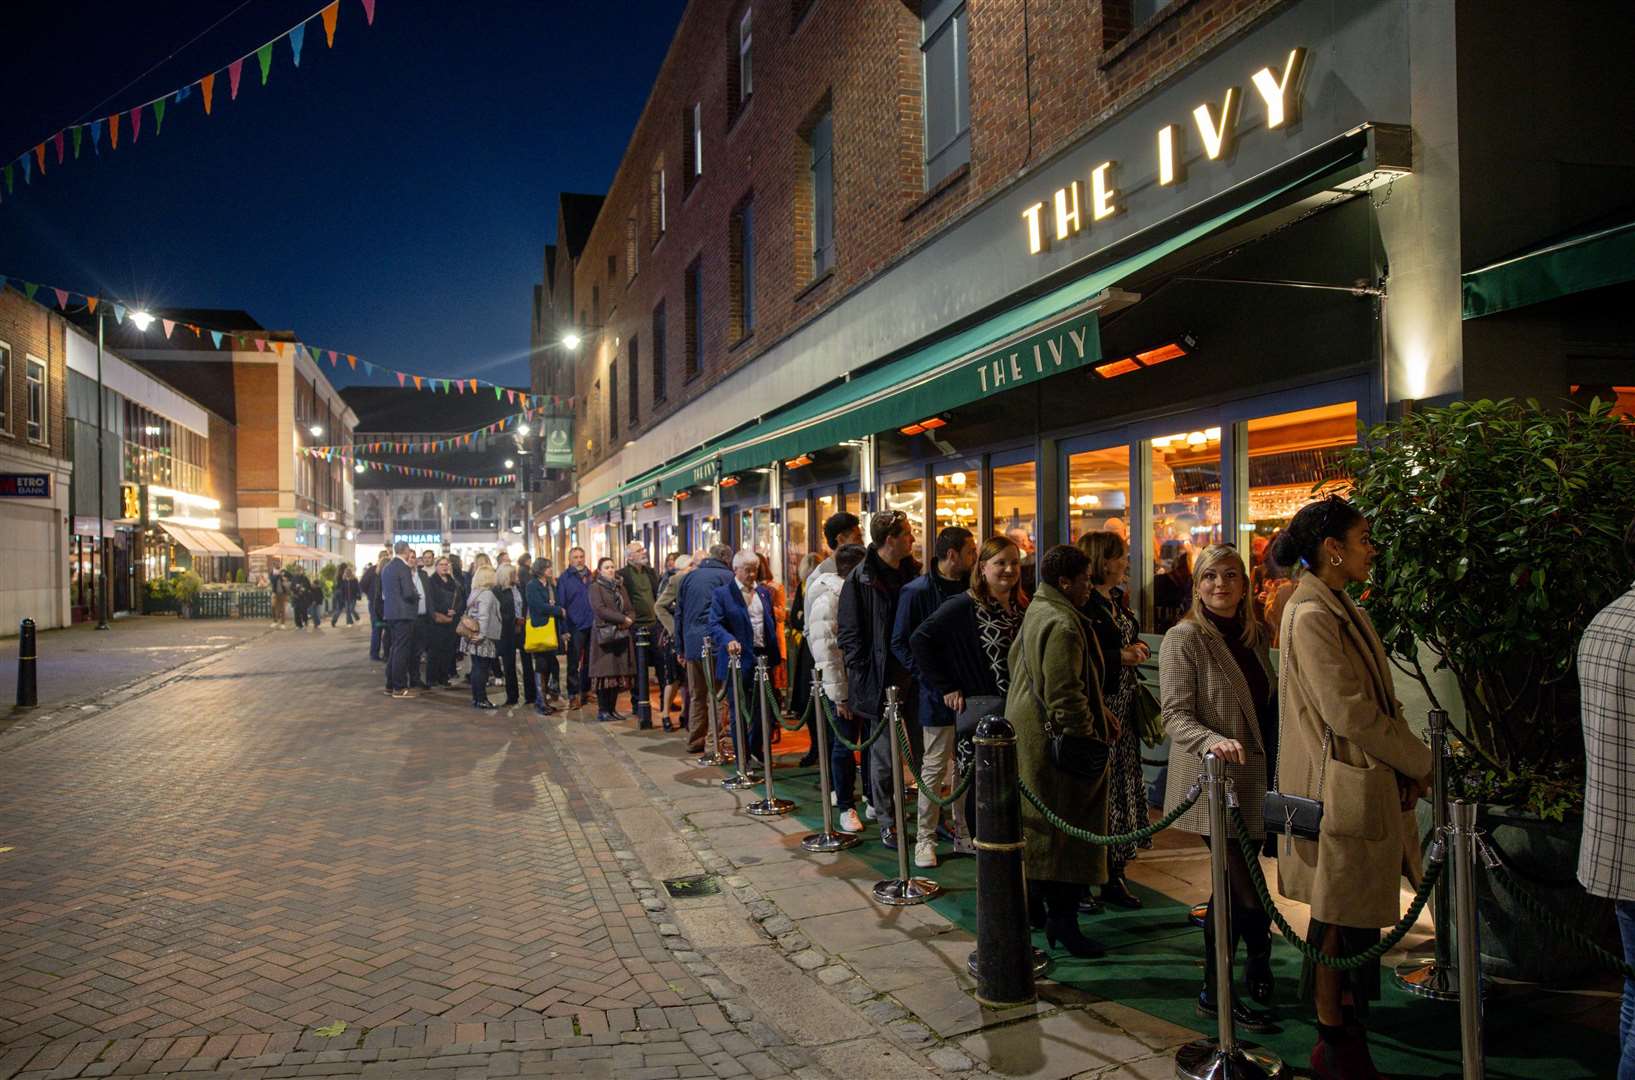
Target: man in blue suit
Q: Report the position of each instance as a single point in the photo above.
(742, 624)
(402, 603)
(573, 593)
(693, 599)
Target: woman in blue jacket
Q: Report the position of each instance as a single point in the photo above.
(540, 599)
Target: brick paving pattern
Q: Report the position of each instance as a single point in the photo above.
(202, 878)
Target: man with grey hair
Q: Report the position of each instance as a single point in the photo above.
(743, 626)
(692, 626)
(641, 582)
(402, 603)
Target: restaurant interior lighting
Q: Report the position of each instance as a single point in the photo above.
(474, 513)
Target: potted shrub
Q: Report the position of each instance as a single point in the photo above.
(1499, 531)
(186, 586)
(160, 597)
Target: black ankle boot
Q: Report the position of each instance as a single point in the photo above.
(1257, 976)
(1242, 1015)
(1117, 892)
(1064, 930)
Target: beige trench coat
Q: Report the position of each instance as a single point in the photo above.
(1205, 701)
(1335, 674)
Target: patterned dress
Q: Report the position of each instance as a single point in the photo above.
(1126, 787)
(996, 628)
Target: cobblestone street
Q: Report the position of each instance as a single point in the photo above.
(209, 875)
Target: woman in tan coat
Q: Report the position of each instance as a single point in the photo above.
(1055, 689)
(1216, 684)
(1345, 742)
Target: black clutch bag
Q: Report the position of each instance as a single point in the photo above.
(1078, 755)
(1293, 816)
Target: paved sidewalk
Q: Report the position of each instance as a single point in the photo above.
(214, 876)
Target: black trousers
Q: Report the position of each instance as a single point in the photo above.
(578, 673)
(530, 690)
(506, 658)
(400, 639)
(441, 649)
(419, 642)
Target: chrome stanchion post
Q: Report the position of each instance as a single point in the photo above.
(828, 839)
(1223, 1056)
(711, 757)
(1469, 960)
(901, 890)
(741, 777)
(767, 805)
(1436, 976)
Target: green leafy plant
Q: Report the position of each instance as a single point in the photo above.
(239, 575)
(1499, 528)
(161, 589)
(186, 585)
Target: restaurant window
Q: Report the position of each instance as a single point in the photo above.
(741, 269)
(1098, 492)
(958, 499)
(795, 544)
(1291, 459)
(694, 289)
(5, 388)
(909, 497)
(852, 503)
(945, 69)
(595, 305)
(1186, 517)
(38, 424)
(635, 380)
(660, 354)
(1015, 504)
(823, 195)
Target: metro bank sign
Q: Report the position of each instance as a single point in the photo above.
(1065, 214)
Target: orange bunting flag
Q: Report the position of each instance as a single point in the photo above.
(329, 13)
(279, 346)
(39, 154)
(352, 361)
(473, 386)
(208, 85)
(113, 130)
(91, 304)
(417, 382)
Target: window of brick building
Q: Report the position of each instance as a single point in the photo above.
(741, 268)
(38, 424)
(693, 143)
(630, 249)
(5, 388)
(660, 354)
(634, 376)
(612, 272)
(797, 12)
(612, 401)
(657, 217)
(1120, 17)
(746, 76)
(945, 69)
(596, 305)
(694, 288)
(822, 188)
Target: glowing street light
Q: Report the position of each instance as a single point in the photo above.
(522, 429)
(317, 431)
(358, 468)
(510, 464)
(571, 340)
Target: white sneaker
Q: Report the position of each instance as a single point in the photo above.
(868, 811)
(834, 800)
(849, 822)
(925, 855)
(964, 845)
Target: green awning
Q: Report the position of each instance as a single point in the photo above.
(697, 468)
(1056, 332)
(1604, 257)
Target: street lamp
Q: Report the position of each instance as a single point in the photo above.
(510, 463)
(522, 429)
(317, 431)
(571, 340)
(142, 320)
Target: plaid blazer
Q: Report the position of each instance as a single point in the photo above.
(1606, 679)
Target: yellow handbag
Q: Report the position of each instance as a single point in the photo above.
(538, 639)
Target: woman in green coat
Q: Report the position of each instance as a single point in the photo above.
(1056, 690)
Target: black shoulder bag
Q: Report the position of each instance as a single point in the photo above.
(1076, 755)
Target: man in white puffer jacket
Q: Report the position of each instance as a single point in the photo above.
(822, 635)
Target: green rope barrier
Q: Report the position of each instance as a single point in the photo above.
(1537, 909)
(829, 719)
(929, 790)
(776, 711)
(1118, 839)
(1314, 953)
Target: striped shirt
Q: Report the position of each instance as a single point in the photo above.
(1606, 678)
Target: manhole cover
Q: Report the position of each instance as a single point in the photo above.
(697, 885)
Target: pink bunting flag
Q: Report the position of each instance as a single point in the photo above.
(333, 361)
(260, 344)
(235, 70)
(511, 396)
(57, 138)
(136, 123)
(169, 326)
(400, 375)
(369, 11)
(62, 298)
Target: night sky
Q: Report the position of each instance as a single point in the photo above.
(390, 197)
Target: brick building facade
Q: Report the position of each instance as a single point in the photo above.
(930, 257)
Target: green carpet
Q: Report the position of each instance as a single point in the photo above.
(1154, 964)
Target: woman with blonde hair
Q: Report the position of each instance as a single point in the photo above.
(482, 645)
(1216, 682)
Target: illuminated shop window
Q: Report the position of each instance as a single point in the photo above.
(909, 497)
(1186, 517)
(959, 499)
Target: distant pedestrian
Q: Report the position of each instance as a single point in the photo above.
(480, 633)
(346, 596)
(673, 668)
(510, 643)
(369, 584)
(279, 585)
(610, 639)
(1606, 854)
(800, 692)
(839, 530)
(641, 585)
(446, 598)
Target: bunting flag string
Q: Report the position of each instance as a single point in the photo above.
(475, 439)
(331, 454)
(328, 15)
(263, 341)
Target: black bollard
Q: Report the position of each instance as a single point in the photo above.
(28, 694)
(1004, 954)
(643, 637)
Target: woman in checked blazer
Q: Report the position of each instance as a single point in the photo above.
(1217, 689)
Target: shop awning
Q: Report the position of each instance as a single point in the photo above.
(1053, 333)
(201, 541)
(1579, 263)
(295, 551)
